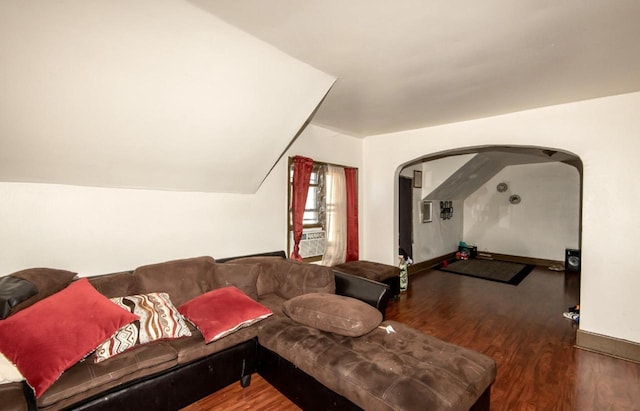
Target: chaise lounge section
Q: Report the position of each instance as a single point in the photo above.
(394, 367)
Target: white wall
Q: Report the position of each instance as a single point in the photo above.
(602, 132)
(439, 237)
(543, 225)
(94, 230)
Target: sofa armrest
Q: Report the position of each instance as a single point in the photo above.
(371, 292)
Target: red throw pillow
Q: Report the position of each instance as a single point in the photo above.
(55, 333)
(220, 312)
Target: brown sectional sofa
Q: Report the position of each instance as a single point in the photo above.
(297, 359)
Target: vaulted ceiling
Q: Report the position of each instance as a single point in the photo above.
(206, 95)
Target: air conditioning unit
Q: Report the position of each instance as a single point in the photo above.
(312, 243)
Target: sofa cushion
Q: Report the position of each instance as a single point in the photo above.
(273, 302)
(86, 378)
(47, 281)
(116, 284)
(13, 397)
(266, 282)
(333, 313)
(289, 278)
(192, 348)
(159, 319)
(220, 312)
(242, 276)
(296, 278)
(181, 279)
(52, 335)
(13, 291)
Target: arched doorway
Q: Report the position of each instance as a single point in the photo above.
(541, 225)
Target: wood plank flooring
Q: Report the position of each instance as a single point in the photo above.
(521, 327)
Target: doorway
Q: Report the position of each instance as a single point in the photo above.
(548, 220)
(405, 216)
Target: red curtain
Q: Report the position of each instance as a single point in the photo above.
(351, 182)
(302, 167)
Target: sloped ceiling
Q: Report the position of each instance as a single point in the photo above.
(489, 162)
(146, 93)
(407, 64)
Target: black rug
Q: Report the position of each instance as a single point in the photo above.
(500, 271)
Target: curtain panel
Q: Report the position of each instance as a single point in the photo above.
(336, 217)
(302, 167)
(351, 185)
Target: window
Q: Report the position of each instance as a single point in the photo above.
(312, 243)
(326, 237)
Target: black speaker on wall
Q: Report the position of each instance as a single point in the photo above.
(572, 260)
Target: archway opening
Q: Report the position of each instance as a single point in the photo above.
(522, 202)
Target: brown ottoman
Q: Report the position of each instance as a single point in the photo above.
(383, 273)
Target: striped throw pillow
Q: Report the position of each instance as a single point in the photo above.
(159, 320)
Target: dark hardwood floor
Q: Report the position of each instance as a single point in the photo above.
(521, 327)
